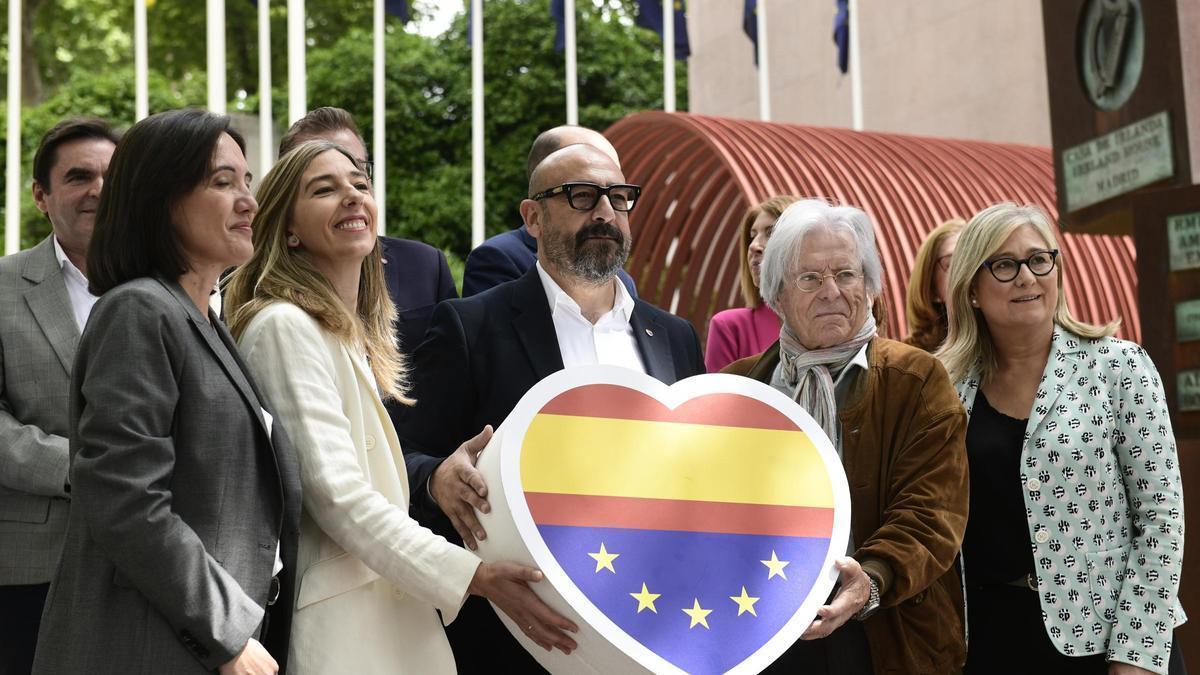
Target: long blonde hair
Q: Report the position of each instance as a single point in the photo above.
(279, 273)
(968, 343)
(927, 318)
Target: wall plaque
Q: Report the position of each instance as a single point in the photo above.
(1115, 163)
(1189, 390)
(1183, 237)
(1187, 320)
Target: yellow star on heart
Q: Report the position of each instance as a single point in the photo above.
(775, 565)
(646, 599)
(744, 602)
(604, 559)
(698, 614)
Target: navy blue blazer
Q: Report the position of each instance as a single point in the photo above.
(418, 278)
(507, 256)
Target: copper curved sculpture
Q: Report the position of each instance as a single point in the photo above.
(699, 175)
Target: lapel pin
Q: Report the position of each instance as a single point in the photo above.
(649, 332)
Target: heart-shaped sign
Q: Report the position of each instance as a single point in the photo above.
(689, 528)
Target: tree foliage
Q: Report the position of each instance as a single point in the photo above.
(86, 60)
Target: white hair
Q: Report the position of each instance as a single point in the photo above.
(787, 238)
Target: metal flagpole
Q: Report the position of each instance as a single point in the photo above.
(477, 122)
(12, 160)
(266, 120)
(855, 69)
(764, 69)
(297, 73)
(377, 147)
(668, 43)
(215, 30)
(572, 75)
(141, 96)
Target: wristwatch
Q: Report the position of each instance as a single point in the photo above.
(872, 601)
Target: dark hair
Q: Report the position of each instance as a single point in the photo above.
(159, 161)
(70, 129)
(317, 122)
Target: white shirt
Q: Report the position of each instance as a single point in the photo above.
(609, 341)
(269, 421)
(77, 287)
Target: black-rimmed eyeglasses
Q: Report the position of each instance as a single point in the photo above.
(1004, 270)
(585, 196)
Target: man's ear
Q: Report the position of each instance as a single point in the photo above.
(39, 197)
(531, 213)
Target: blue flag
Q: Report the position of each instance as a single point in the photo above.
(560, 27)
(841, 34)
(650, 15)
(750, 24)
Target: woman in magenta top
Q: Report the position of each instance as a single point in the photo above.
(745, 331)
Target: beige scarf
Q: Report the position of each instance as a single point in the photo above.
(806, 374)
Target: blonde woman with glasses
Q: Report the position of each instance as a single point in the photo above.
(312, 315)
(1075, 539)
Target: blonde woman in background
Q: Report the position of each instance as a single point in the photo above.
(1074, 543)
(745, 331)
(925, 304)
(312, 315)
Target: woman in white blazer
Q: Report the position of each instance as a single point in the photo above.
(312, 315)
(1074, 543)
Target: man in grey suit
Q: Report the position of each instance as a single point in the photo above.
(44, 303)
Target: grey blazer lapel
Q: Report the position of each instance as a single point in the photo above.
(50, 304)
(653, 343)
(223, 350)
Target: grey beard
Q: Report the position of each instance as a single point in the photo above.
(597, 267)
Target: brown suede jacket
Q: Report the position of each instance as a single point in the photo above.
(903, 434)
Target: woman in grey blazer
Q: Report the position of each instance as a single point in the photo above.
(181, 542)
(1074, 543)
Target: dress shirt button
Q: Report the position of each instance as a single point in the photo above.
(1034, 485)
(1041, 536)
(370, 442)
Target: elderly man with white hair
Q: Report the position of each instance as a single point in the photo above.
(896, 422)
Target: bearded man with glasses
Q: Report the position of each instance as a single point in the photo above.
(482, 353)
(896, 422)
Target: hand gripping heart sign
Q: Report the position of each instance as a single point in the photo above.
(684, 528)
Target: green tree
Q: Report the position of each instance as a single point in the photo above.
(428, 113)
(619, 70)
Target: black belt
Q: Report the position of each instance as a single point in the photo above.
(1028, 581)
(273, 591)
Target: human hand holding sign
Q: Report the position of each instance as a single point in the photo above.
(459, 489)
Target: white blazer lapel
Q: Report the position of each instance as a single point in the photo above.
(370, 389)
(1060, 370)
